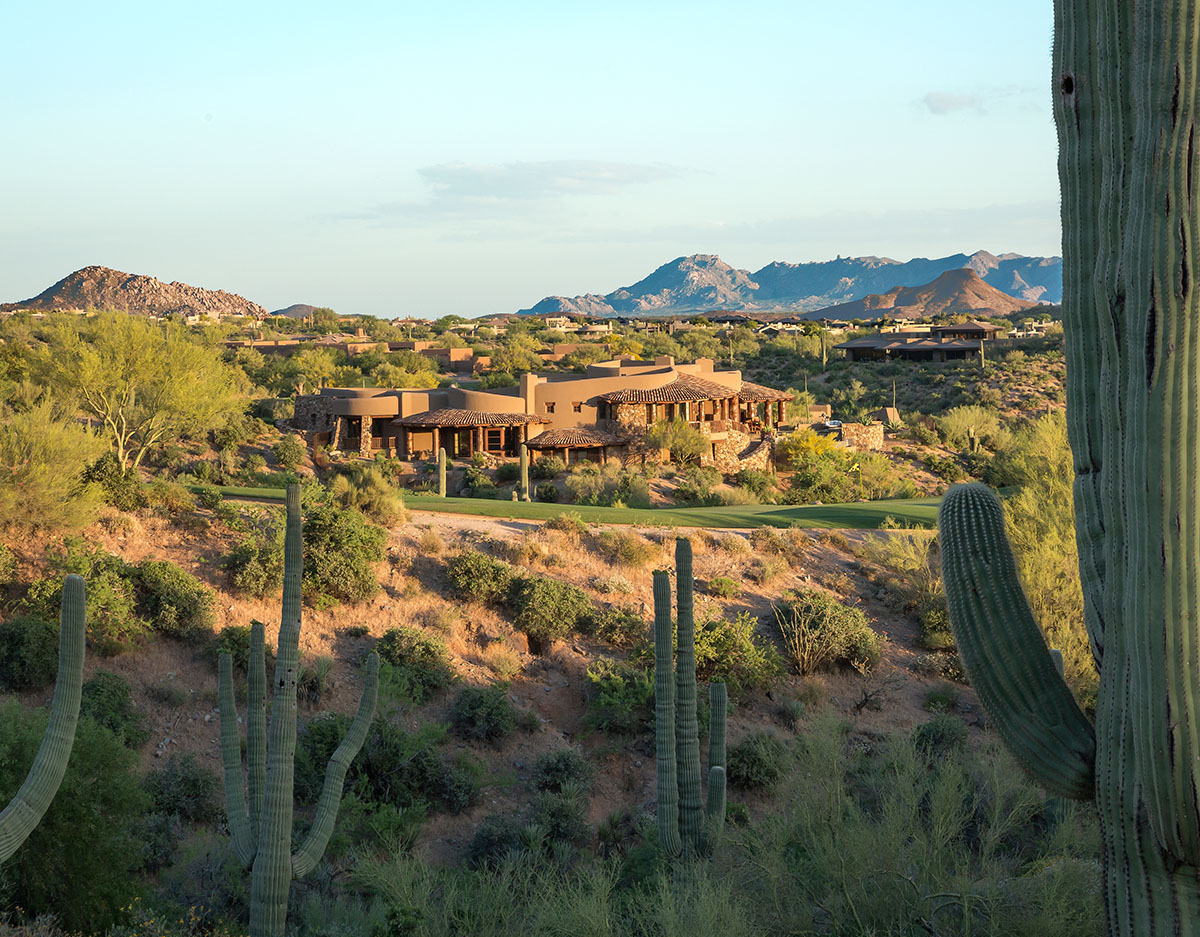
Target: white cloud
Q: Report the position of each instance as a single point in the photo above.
(940, 103)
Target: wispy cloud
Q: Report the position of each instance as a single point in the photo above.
(940, 103)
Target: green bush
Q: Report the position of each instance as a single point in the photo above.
(940, 736)
(403, 769)
(620, 697)
(122, 489)
(547, 610)
(176, 602)
(106, 701)
(208, 496)
(484, 713)
(28, 653)
(477, 577)
(418, 664)
(340, 550)
(498, 837)
(365, 487)
(942, 698)
(730, 652)
(546, 491)
(256, 562)
(723, 587)
(756, 762)
(168, 499)
(620, 627)
(184, 788)
(547, 466)
(508, 472)
(565, 766)
(760, 483)
(289, 451)
(695, 486)
(567, 522)
(8, 566)
(234, 640)
(78, 861)
(608, 486)
(818, 631)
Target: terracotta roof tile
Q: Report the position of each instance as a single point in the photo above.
(574, 437)
(686, 387)
(452, 417)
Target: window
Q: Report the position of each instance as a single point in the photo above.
(494, 440)
(577, 407)
(549, 408)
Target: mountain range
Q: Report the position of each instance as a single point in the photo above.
(703, 282)
(105, 288)
(960, 291)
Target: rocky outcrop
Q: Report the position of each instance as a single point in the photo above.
(104, 288)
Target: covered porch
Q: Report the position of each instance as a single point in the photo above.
(760, 406)
(462, 433)
(575, 444)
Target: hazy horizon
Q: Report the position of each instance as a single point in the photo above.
(473, 160)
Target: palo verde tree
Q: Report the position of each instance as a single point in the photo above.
(143, 383)
(1127, 105)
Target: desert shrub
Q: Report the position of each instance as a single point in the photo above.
(941, 735)
(234, 640)
(507, 472)
(733, 544)
(255, 563)
(340, 550)
(8, 566)
(289, 451)
(168, 693)
(760, 483)
(945, 664)
(942, 698)
(955, 424)
(208, 497)
(314, 679)
(818, 630)
(418, 664)
(766, 569)
(106, 701)
(484, 713)
(168, 499)
(944, 467)
(568, 522)
(478, 577)
(723, 587)
(696, 484)
(756, 762)
(28, 653)
(158, 835)
(364, 487)
(608, 486)
(316, 742)
(820, 468)
(620, 697)
(911, 561)
(546, 609)
(547, 466)
(546, 491)
(122, 489)
(618, 626)
(78, 861)
(185, 788)
(113, 622)
(614, 582)
(624, 547)
(561, 816)
(498, 837)
(174, 601)
(404, 768)
(565, 766)
(683, 441)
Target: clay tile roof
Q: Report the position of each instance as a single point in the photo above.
(575, 438)
(686, 387)
(754, 392)
(452, 417)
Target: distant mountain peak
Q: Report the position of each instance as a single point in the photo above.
(699, 282)
(96, 287)
(952, 292)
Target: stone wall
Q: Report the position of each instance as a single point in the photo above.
(863, 437)
(314, 413)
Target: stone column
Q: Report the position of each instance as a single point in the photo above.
(437, 440)
(364, 438)
(335, 439)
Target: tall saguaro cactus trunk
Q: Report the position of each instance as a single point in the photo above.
(686, 825)
(33, 798)
(262, 830)
(1127, 100)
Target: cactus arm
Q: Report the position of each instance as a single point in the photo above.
(718, 704)
(240, 829)
(33, 798)
(1003, 649)
(664, 718)
(687, 732)
(305, 859)
(272, 874)
(256, 725)
(441, 473)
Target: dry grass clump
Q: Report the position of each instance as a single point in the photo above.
(768, 540)
(766, 569)
(613, 583)
(625, 547)
(441, 618)
(733, 544)
(500, 659)
(430, 542)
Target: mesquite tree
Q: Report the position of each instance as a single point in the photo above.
(1127, 101)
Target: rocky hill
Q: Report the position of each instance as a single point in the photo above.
(704, 282)
(953, 292)
(295, 311)
(104, 288)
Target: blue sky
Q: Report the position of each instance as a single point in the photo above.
(472, 157)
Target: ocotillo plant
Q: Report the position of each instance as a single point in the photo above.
(29, 805)
(441, 473)
(263, 838)
(524, 472)
(682, 826)
(1126, 103)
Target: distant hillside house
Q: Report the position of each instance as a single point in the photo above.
(604, 413)
(980, 331)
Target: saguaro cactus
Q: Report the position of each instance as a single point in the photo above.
(29, 805)
(1127, 103)
(441, 473)
(682, 825)
(262, 835)
(524, 472)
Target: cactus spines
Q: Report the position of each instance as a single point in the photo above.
(524, 472)
(441, 473)
(1003, 649)
(682, 827)
(29, 805)
(262, 830)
